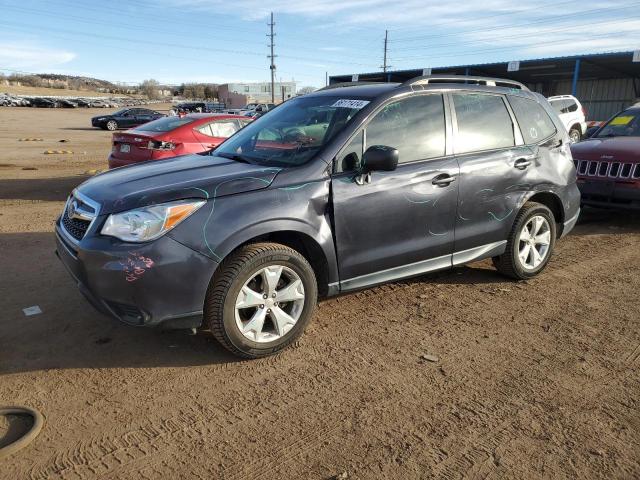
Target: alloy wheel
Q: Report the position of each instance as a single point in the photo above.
(269, 303)
(574, 136)
(533, 242)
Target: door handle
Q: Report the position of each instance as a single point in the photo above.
(443, 180)
(522, 163)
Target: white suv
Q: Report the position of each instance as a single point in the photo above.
(572, 114)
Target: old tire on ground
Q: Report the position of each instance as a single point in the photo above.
(575, 135)
(530, 243)
(260, 299)
(112, 125)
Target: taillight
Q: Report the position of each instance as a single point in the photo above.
(159, 145)
(584, 111)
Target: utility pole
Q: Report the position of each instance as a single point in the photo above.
(386, 38)
(272, 57)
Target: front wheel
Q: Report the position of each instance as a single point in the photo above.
(260, 299)
(530, 243)
(112, 125)
(575, 135)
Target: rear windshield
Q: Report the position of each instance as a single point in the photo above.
(164, 124)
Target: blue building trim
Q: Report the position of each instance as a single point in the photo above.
(576, 75)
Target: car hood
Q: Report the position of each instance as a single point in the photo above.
(621, 149)
(189, 176)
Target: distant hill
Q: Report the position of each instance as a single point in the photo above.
(64, 82)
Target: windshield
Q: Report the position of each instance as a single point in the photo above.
(625, 124)
(121, 111)
(293, 133)
(164, 124)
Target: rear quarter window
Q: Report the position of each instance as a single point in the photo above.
(535, 123)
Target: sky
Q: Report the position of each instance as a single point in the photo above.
(181, 41)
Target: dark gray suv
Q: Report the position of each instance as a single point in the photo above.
(345, 188)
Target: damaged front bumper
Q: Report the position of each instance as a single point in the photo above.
(160, 283)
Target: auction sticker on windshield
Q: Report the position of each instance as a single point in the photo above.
(357, 104)
(625, 120)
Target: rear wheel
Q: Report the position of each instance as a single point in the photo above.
(260, 299)
(112, 125)
(530, 243)
(575, 135)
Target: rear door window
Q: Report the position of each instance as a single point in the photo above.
(219, 129)
(534, 122)
(483, 121)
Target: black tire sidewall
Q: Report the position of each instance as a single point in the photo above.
(306, 274)
(543, 211)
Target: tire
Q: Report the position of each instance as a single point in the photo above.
(575, 134)
(111, 125)
(243, 269)
(510, 262)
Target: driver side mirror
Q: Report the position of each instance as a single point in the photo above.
(380, 158)
(377, 158)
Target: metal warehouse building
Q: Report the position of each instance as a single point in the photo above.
(604, 83)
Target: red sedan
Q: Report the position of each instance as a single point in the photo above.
(170, 137)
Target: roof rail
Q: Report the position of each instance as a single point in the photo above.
(346, 84)
(488, 81)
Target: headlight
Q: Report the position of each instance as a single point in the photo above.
(149, 223)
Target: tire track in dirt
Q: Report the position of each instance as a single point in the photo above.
(151, 444)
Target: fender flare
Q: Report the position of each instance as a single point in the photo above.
(322, 237)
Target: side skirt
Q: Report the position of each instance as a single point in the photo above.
(419, 268)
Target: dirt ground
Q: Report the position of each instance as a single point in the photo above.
(538, 379)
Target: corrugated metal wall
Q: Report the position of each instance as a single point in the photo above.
(601, 98)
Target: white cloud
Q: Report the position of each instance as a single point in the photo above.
(23, 55)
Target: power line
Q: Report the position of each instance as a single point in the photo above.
(475, 52)
(496, 15)
(148, 15)
(173, 45)
(535, 22)
(120, 25)
(520, 35)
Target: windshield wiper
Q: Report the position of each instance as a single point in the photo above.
(233, 156)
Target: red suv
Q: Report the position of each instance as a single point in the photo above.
(173, 136)
(608, 163)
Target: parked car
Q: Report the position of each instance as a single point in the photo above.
(572, 114)
(43, 102)
(334, 191)
(125, 118)
(608, 163)
(253, 110)
(64, 103)
(169, 137)
(200, 107)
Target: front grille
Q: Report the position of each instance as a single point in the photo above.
(74, 226)
(593, 168)
(79, 212)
